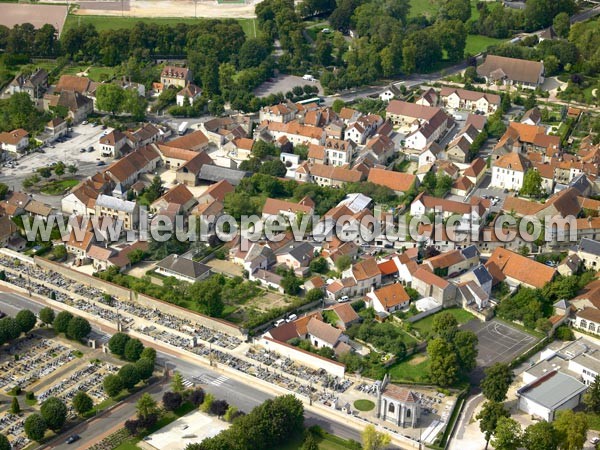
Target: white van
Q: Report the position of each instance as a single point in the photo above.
(291, 318)
(308, 77)
(343, 299)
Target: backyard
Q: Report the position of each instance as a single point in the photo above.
(413, 369)
(423, 326)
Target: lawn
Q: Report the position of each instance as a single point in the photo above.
(325, 442)
(477, 43)
(423, 8)
(413, 369)
(58, 187)
(430, 7)
(111, 22)
(364, 405)
(423, 326)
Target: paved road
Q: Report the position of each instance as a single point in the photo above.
(245, 397)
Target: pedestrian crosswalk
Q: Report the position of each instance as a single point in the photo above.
(210, 379)
(187, 383)
(219, 381)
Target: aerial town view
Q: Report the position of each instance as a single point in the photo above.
(300, 224)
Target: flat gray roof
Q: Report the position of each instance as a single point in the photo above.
(553, 390)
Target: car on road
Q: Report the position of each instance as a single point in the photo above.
(90, 149)
(100, 163)
(343, 299)
(82, 150)
(595, 440)
(291, 318)
(73, 438)
(279, 322)
(85, 122)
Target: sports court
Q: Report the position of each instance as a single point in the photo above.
(37, 15)
(499, 342)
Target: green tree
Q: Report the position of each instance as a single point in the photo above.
(313, 295)
(540, 436)
(443, 367)
(134, 104)
(310, 443)
(9, 330)
(82, 402)
(337, 105)
(59, 169)
(488, 417)
(591, 397)
(177, 383)
(319, 265)
(78, 328)
(498, 378)
(45, 172)
(110, 97)
(4, 443)
(571, 428)
(343, 262)
(149, 353)
(26, 320)
(35, 427)
(113, 385)
(508, 434)
(291, 283)
(445, 326)
(117, 343)
(145, 368)
(146, 406)
(230, 414)
(373, 439)
(129, 375)
(532, 184)
(54, 413)
(207, 403)
(61, 322)
(15, 408)
(133, 350)
(465, 343)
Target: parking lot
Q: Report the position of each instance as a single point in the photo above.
(283, 84)
(82, 136)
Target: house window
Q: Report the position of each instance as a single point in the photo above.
(592, 327)
(392, 408)
(408, 413)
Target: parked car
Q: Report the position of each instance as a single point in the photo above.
(100, 163)
(279, 322)
(343, 299)
(90, 149)
(85, 122)
(291, 318)
(73, 438)
(82, 150)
